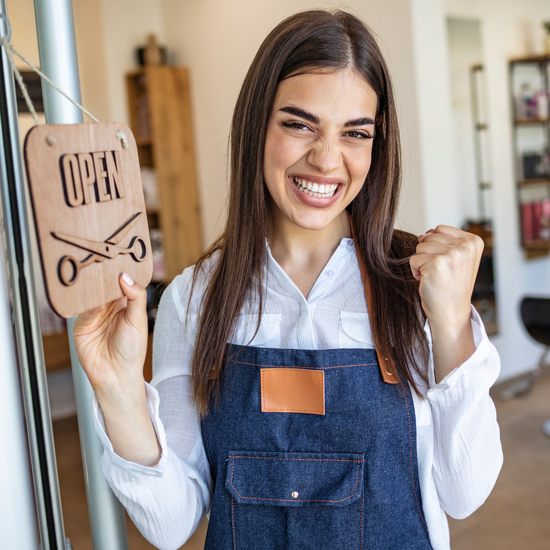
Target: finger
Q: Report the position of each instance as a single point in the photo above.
(449, 230)
(414, 269)
(424, 235)
(441, 237)
(136, 310)
(434, 247)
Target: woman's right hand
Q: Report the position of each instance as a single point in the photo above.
(111, 342)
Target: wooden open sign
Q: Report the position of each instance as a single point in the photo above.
(89, 212)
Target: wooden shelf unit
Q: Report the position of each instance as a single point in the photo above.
(534, 247)
(160, 118)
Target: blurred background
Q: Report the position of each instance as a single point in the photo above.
(472, 87)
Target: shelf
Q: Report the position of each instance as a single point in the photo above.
(530, 59)
(534, 181)
(536, 245)
(526, 121)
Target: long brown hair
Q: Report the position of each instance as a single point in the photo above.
(303, 42)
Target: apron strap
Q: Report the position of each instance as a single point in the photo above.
(386, 364)
(385, 360)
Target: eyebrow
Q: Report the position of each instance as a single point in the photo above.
(314, 119)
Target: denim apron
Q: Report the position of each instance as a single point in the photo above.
(341, 477)
(345, 480)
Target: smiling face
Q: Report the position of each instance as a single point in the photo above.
(318, 146)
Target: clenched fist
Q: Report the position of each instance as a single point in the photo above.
(446, 265)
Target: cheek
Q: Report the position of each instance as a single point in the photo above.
(281, 152)
(360, 165)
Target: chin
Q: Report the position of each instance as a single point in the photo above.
(314, 221)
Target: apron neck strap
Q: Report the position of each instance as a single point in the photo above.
(385, 360)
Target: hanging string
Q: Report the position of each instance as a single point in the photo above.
(10, 50)
(19, 79)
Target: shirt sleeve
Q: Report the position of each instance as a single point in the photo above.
(167, 501)
(467, 455)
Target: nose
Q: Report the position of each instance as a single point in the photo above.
(325, 156)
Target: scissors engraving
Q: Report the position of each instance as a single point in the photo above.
(69, 267)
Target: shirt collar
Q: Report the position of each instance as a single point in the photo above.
(339, 261)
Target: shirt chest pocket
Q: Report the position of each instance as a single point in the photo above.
(354, 331)
(268, 335)
(296, 500)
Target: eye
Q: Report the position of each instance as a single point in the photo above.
(358, 134)
(296, 125)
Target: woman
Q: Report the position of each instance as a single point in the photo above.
(319, 425)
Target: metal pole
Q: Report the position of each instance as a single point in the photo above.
(26, 319)
(58, 60)
(17, 516)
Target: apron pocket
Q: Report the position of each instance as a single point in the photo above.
(296, 500)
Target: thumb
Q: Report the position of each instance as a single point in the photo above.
(415, 266)
(136, 310)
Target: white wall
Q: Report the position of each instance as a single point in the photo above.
(440, 183)
(464, 52)
(510, 29)
(217, 40)
(126, 23)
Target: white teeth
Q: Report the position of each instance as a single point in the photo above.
(314, 190)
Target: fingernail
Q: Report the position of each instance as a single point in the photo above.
(127, 279)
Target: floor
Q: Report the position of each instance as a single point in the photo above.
(515, 517)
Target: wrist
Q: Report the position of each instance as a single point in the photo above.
(451, 324)
(127, 398)
(452, 343)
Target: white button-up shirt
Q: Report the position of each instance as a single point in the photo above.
(458, 439)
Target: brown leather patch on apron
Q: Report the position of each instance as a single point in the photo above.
(293, 391)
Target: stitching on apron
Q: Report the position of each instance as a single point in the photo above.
(293, 499)
(299, 367)
(300, 459)
(233, 521)
(412, 467)
(207, 446)
(362, 519)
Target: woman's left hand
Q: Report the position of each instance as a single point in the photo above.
(446, 264)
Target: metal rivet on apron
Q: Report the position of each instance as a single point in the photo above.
(295, 494)
(389, 373)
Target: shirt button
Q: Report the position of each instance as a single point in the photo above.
(330, 273)
(350, 242)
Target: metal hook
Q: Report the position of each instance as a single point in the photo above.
(7, 21)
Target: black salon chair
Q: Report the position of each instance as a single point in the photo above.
(535, 313)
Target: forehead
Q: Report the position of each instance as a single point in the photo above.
(343, 91)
